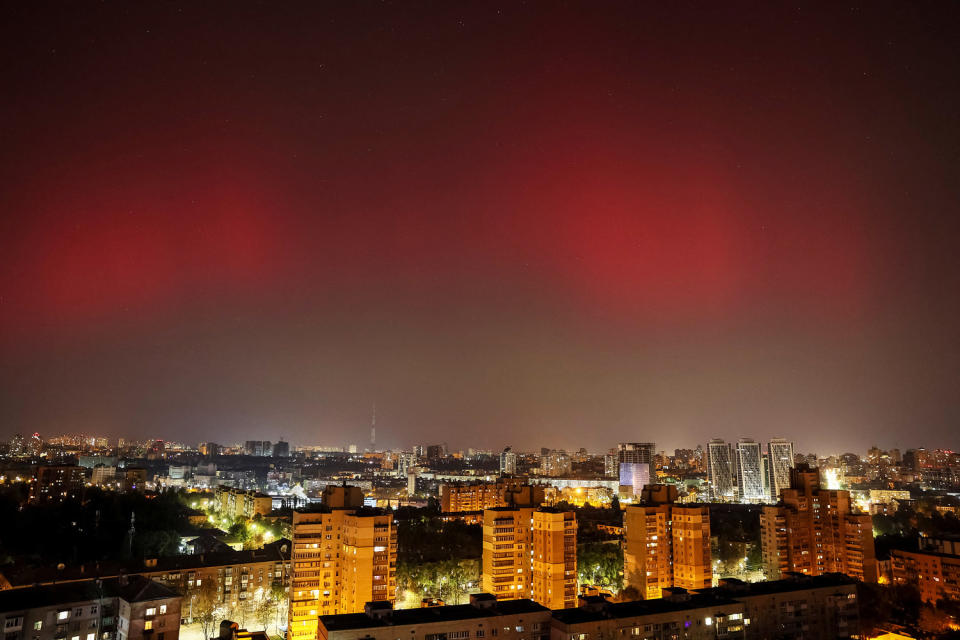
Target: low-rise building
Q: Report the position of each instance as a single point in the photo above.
(799, 606)
(678, 614)
(484, 618)
(238, 575)
(804, 607)
(125, 608)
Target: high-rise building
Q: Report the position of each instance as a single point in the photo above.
(720, 470)
(636, 464)
(435, 452)
(556, 463)
(18, 445)
(57, 483)
(259, 448)
(666, 544)
(749, 466)
(281, 449)
(610, 465)
(508, 462)
(405, 462)
(343, 557)
(815, 531)
(530, 553)
(779, 464)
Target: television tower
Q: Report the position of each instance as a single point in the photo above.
(373, 429)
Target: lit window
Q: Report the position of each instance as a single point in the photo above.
(163, 609)
(37, 625)
(152, 611)
(708, 621)
(91, 636)
(63, 615)
(148, 625)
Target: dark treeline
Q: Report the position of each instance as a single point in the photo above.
(94, 530)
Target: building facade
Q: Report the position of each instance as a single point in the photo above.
(721, 472)
(239, 503)
(57, 483)
(530, 553)
(344, 555)
(749, 467)
(814, 531)
(666, 544)
(126, 608)
(779, 464)
(934, 570)
(636, 465)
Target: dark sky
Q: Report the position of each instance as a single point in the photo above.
(559, 224)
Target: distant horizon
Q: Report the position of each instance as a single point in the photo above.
(365, 447)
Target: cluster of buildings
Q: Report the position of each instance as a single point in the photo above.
(744, 472)
(814, 531)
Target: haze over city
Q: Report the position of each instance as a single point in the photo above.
(516, 225)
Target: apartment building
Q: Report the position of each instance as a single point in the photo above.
(239, 576)
(530, 553)
(801, 608)
(477, 496)
(815, 531)
(666, 544)
(934, 570)
(57, 483)
(126, 608)
(484, 618)
(344, 555)
(239, 503)
(678, 614)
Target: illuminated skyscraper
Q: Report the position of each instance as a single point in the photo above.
(749, 468)
(508, 462)
(780, 462)
(636, 464)
(720, 470)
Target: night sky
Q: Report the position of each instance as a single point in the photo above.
(559, 224)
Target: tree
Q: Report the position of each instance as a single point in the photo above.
(264, 609)
(460, 575)
(601, 564)
(206, 607)
(280, 596)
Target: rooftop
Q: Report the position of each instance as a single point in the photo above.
(696, 600)
(131, 589)
(24, 575)
(399, 617)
